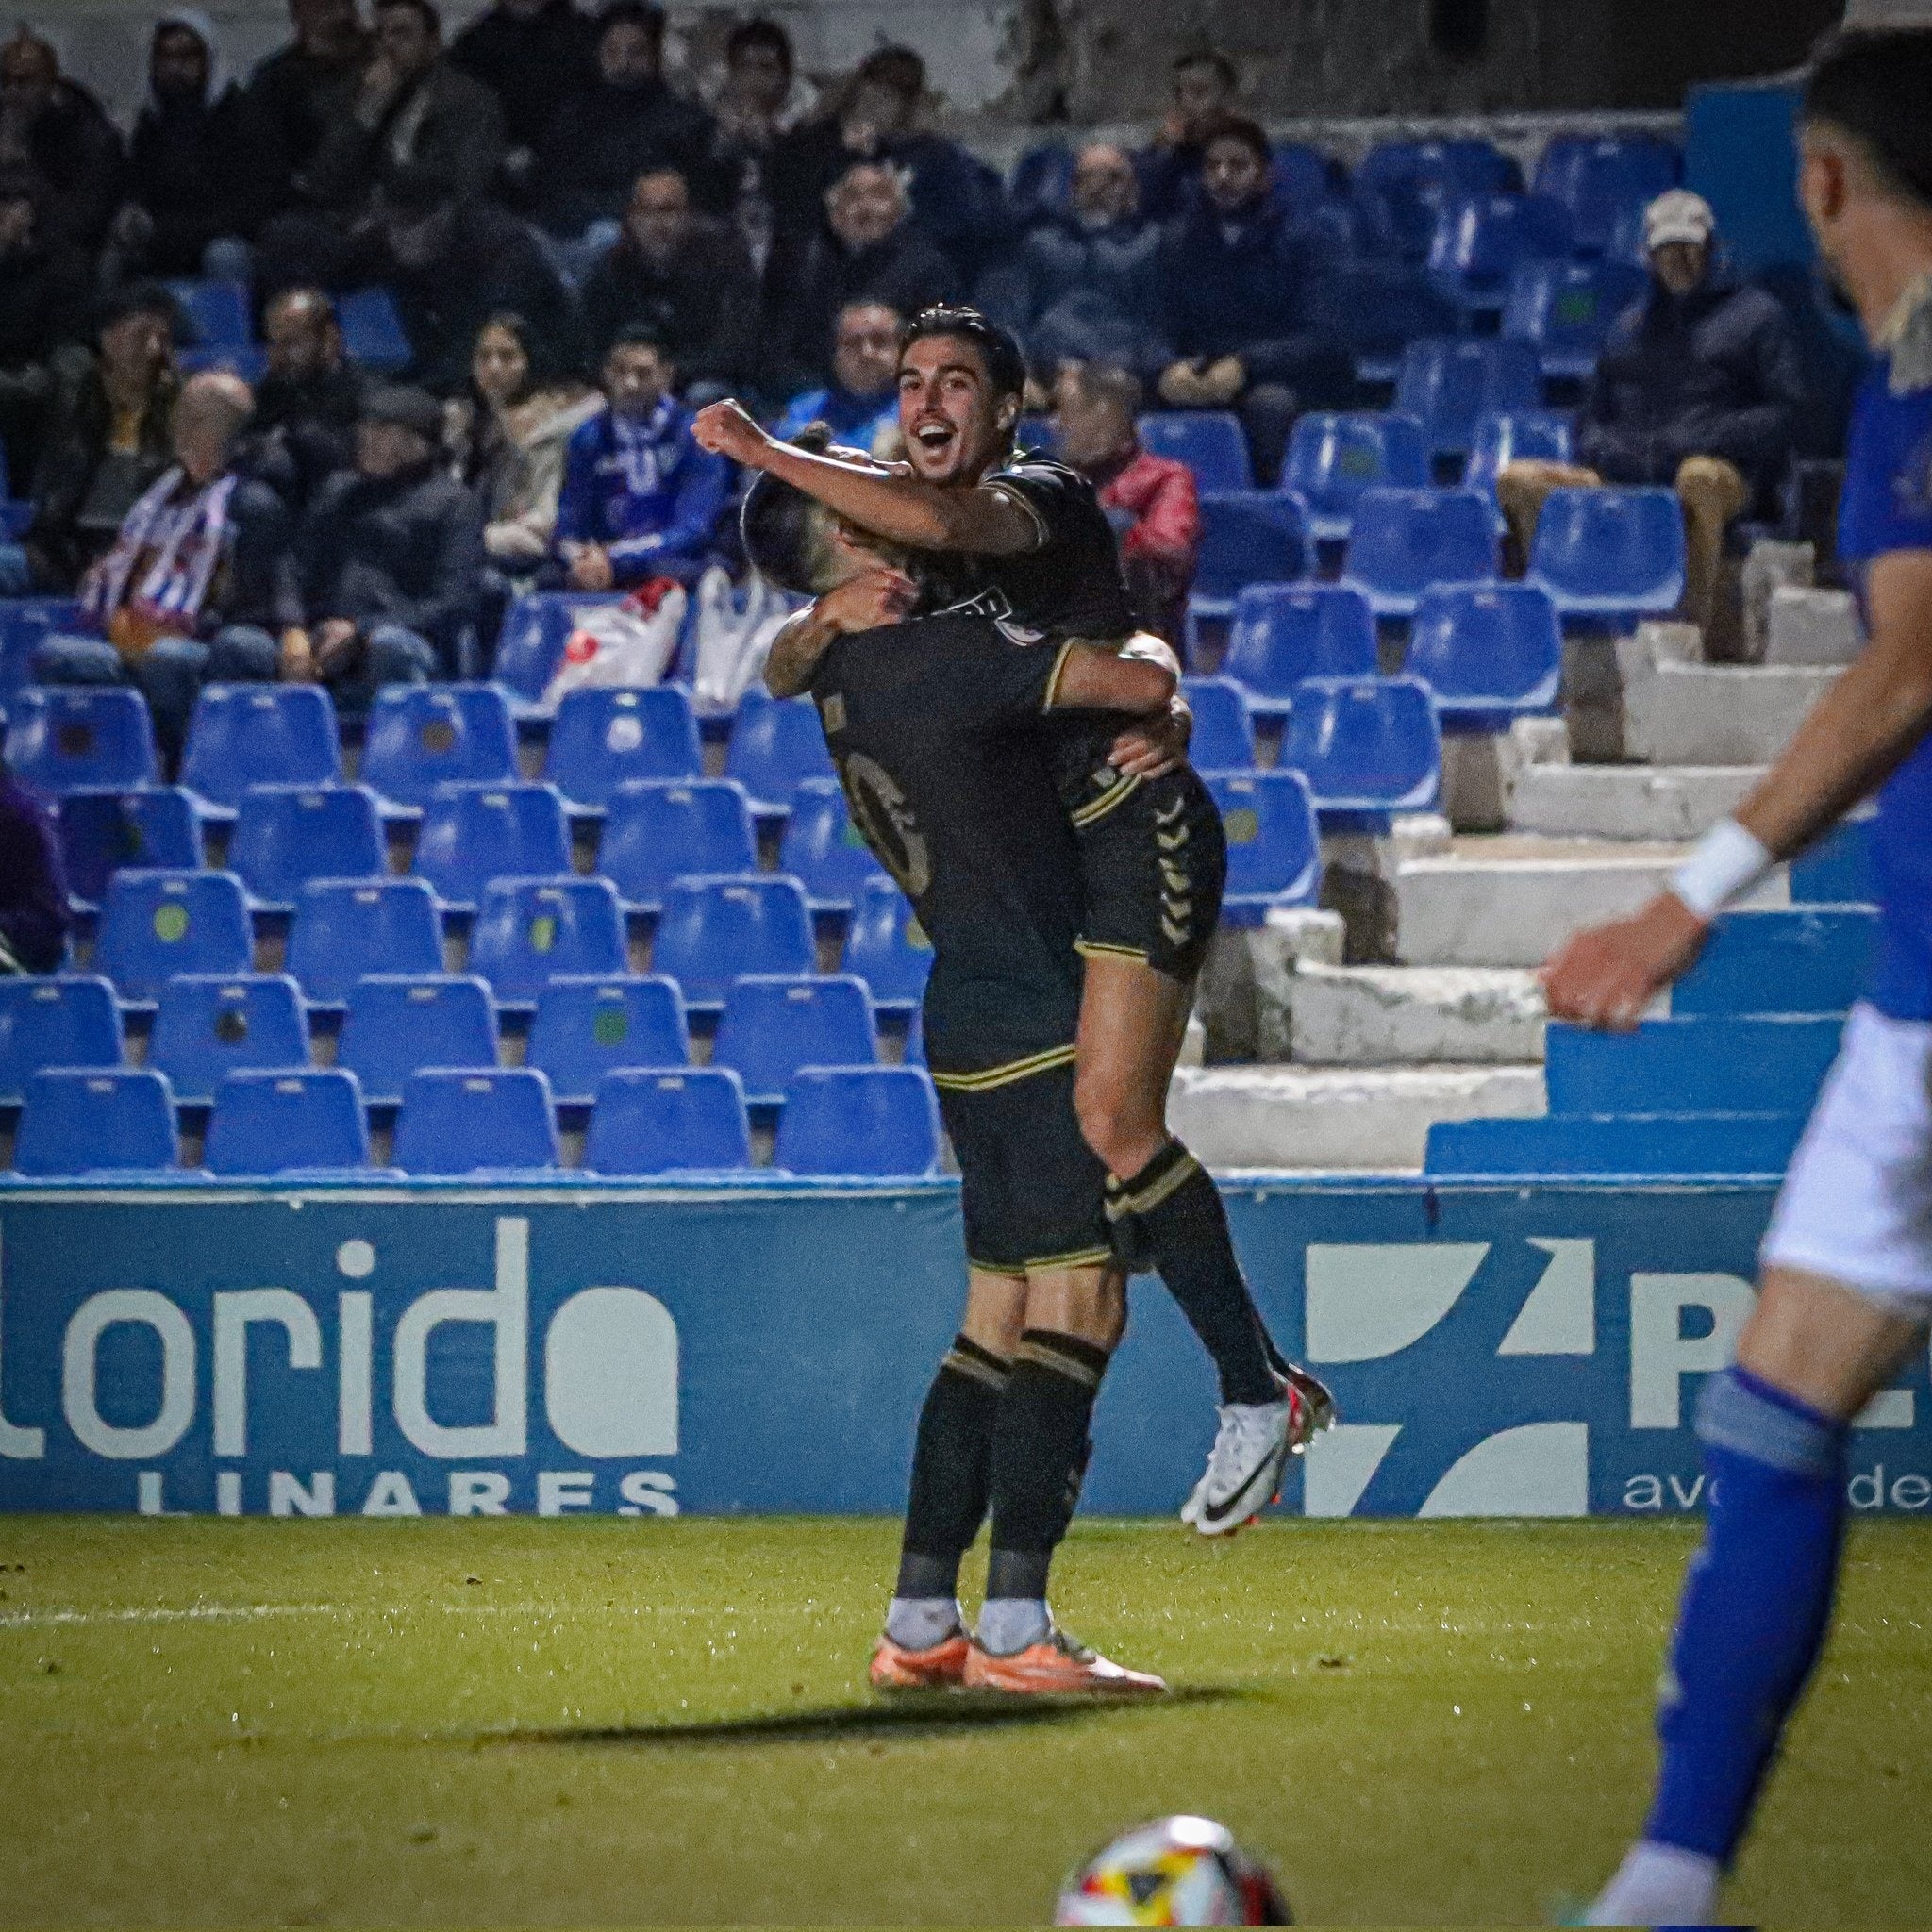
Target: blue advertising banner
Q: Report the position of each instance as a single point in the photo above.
(555, 1349)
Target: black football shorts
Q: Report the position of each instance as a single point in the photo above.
(1154, 866)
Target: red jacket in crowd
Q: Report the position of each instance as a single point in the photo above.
(1154, 505)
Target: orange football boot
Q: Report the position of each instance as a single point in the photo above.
(1058, 1665)
(939, 1666)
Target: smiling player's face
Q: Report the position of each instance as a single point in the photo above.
(953, 426)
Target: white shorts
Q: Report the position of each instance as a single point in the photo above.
(1857, 1204)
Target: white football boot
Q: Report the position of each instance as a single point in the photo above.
(1251, 1449)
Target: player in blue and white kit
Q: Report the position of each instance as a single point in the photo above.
(1847, 1269)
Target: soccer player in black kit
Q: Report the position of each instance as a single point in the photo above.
(1022, 541)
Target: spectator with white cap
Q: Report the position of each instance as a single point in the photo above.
(1698, 387)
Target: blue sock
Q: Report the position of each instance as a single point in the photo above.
(1756, 1607)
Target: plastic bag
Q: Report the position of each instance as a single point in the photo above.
(734, 634)
(630, 644)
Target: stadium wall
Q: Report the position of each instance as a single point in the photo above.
(447, 1348)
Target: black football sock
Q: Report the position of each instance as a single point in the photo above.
(952, 1469)
(1179, 1221)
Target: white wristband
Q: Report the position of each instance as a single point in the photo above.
(1727, 861)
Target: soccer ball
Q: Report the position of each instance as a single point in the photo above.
(1174, 1871)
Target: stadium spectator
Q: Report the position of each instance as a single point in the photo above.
(533, 54)
(1699, 386)
(308, 402)
(860, 404)
(44, 303)
(639, 497)
(623, 122)
(34, 913)
(684, 275)
(1151, 501)
(761, 101)
(1250, 303)
(55, 131)
(295, 95)
(1203, 90)
(107, 441)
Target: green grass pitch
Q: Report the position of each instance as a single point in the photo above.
(516, 1722)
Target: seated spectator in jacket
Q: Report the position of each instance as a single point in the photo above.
(299, 93)
(54, 130)
(623, 122)
(761, 101)
(1250, 309)
(1202, 96)
(687, 277)
(34, 912)
(532, 55)
(1151, 501)
(106, 439)
(308, 401)
(43, 305)
(639, 497)
(860, 404)
(201, 552)
(1698, 387)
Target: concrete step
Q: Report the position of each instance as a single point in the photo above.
(1811, 626)
(1678, 711)
(1371, 1016)
(1323, 1119)
(1639, 802)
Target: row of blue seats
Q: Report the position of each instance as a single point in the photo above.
(219, 318)
(297, 1121)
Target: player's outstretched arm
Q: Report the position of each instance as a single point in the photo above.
(875, 595)
(1101, 677)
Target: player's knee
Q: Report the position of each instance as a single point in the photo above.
(1115, 1121)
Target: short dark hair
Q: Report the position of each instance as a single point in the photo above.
(901, 69)
(759, 32)
(1006, 363)
(638, 335)
(1877, 88)
(136, 298)
(783, 530)
(1209, 56)
(630, 13)
(423, 10)
(1250, 133)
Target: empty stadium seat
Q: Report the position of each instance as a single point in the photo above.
(215, 312)
(1759, 1063)
(1805, 959)
(157, 924)
(1705, 1143)
(914, 1054)
(1405, 541)
(1210, 441)
(25, 624)
(344, 928)
(398, 1022)
(1611, 555)
(655, 830)
(1599, 177)
(1410, 181)
(1518, 436)
(207, 1026)
(373, 332)
(1369, 748)
(306, 1120)
(822, 848)
(102, 831)
(421, 736)
(1224, 736)
(588, 1026)
(875, 1120)
(775, 742)
(259, 734)
(536, 628)
(600, 738)
(1564, 309)
(75, 737)
(712, 928)
(458, 1121)
(473, 834)
(1283, 633)
(1382, 306)
(1480, 241)
(773, 1026)
(1333, 458)
(1449, 384)
(1274, 845)
(887, 947)
(529, 930)
(1247, 537)
(689, 1119)
(287, 835)
(1490, 652)
(68, 1021)
(79, 1121)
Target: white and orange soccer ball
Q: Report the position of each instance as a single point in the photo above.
(1174, 1871)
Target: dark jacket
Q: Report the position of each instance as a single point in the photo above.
(1715, 372)
(253, 585)
(1170, 176)
(291, 102)
(44, 303)
(904, 271)
(304, 433)
(703, 302)
(76, 160)
(604, 136)
(1092, 295)
(34, 917)
(443, 124)
(532, 66)
(188, 166)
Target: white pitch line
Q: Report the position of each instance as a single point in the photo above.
(216, 1613)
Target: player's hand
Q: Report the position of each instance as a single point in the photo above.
(1606, 975)
(1154, 747)
(877, 596)
(727, 430)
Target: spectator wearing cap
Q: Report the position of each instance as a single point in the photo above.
(308, 401)
(1203, 94)
(1698, 387)
(860, 404)
(532, 55)
(639, 497)
(298, 93)
(43, 305)
(54, 130)
(34, 913)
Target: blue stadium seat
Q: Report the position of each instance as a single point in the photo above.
(1300, 175)
(1651, 1144)
(1480, 241)
(287, 835)
(858, 1120)
(602, 738)
(536, 627)
(681, 1120)
(657, 830)
(344, 928)
(529, 930)
(775, 744)
(1247, 537)
(714, 927)
(1449, 384)
(822, 848)
(306, 1120)
(1283, 633)
(373, 332)
(1837, 869)
(1564, 309)
(102, 831)
(1711, 1063)
(1599, 176)
(1333, 458)
(1611, 555)
(458, 1121)
(25, 624)
(915, 1039)
(79, 1121)
(216, 312)
(1369, 748)
(249, 360)
(1490, 652)
(1409, 180)
(1042, 182)
(1210, 441)
(421, 736)
(398, 1022)
(1382, 306)
(1274, 845)
(66, 1021)
(586, 1027)
(1223, 739)
(74, 737)
(473, 834)
(773, 1025)
(1806, 959)
(1518, 436)
(1406, 541)
(157, 924)
(887, 947)
(207, 1026)
(259, 734)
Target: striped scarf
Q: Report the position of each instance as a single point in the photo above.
(176, 546)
